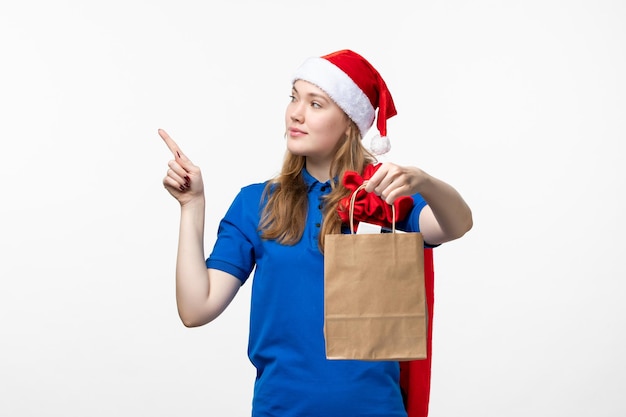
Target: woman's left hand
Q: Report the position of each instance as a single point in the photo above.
(391, 181)
(446, 217)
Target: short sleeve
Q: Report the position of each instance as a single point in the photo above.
(237, 235)
(412, 221)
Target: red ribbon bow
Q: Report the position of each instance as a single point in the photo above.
(368, 207)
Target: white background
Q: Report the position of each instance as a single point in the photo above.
(520, 105)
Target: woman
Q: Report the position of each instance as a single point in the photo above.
(278, 227)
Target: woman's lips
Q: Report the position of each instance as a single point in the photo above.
(296, 132)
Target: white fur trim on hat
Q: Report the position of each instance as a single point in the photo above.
(340, 88)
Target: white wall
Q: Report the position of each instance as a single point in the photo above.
(519, 104)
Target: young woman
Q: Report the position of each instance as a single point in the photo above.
(278, 227)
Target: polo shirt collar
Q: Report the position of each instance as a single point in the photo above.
(313, 183)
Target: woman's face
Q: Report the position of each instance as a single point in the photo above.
(314, 123)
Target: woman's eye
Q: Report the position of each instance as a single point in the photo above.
(316, 105)
(292, 98)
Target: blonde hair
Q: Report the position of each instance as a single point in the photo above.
(284, 216)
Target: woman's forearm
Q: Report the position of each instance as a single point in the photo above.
(192, 282)
(453, 215)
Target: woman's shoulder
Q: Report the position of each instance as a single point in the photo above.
(256, 188)
(252, 192)
(247, 201)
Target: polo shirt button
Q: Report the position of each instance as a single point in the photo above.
(324, 187)
(317, 225)
(320, 206)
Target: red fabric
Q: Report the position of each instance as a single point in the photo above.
(369, 81)
(369, 207)
(415, 375)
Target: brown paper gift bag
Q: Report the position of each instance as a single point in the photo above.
(374, 295)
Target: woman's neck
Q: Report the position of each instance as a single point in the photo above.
(319, 171)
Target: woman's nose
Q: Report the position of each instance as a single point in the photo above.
(297, 115)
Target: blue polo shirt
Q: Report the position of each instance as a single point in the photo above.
(286, 340)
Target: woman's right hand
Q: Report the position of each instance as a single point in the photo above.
(183, 180)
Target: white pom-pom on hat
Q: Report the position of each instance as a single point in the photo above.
(380, 145)
(357, 88)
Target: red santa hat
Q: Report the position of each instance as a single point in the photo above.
(357, 88)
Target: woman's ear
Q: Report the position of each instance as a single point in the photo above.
(349, 127)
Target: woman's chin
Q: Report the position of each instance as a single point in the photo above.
(294, 149)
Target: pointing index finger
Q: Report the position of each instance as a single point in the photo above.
(173, 147)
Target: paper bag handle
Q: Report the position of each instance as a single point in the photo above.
(352, 200)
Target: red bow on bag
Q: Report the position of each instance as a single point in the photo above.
(368, 207)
